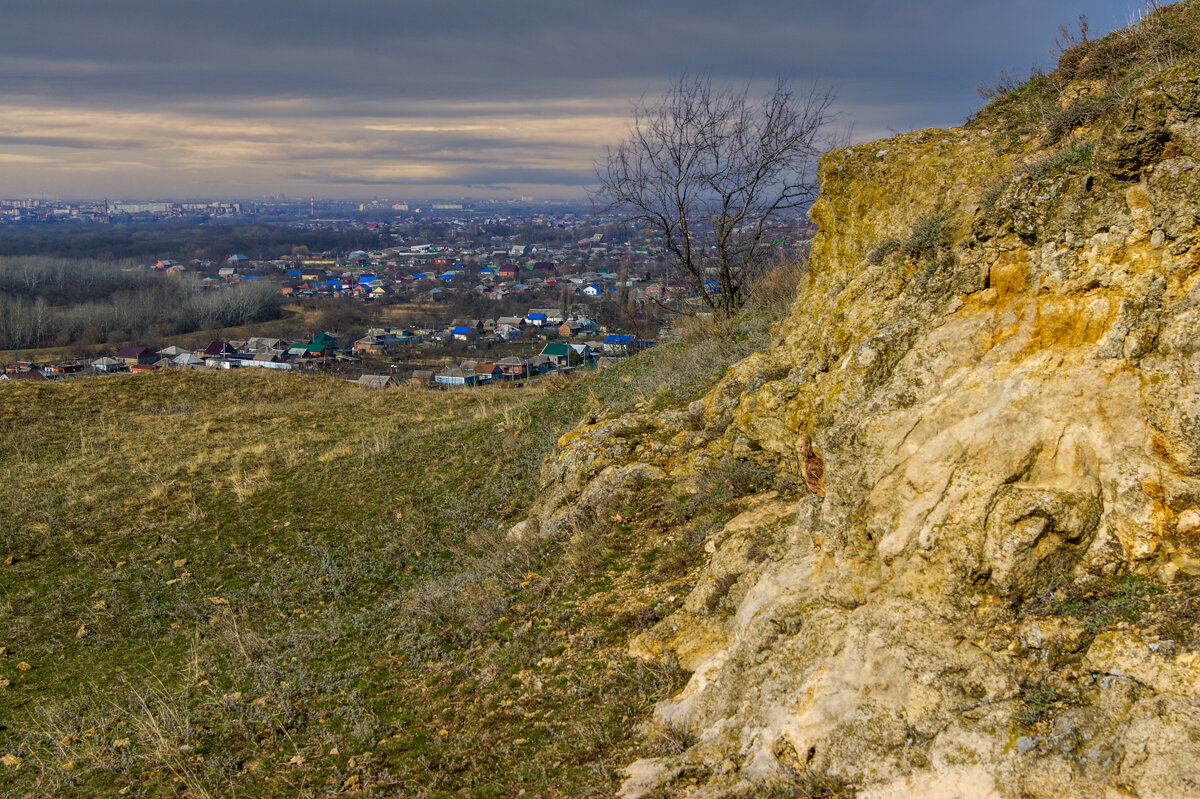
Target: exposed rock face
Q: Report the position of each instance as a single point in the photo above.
(990, 399)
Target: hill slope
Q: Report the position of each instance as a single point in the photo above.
(939, 537)
(275, 584)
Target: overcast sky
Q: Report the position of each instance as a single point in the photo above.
(154, 99)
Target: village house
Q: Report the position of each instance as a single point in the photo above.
(370, 345)
(108, 365)
(514, 368)
(29, 374)
(562, 355)
(571, 327)
(456, 376)
(150, 367)
(618, 344)
(507, 332)
(264, 344)
(134, 355)
(66, 368)
(487, 371)
(550, 317)
(421, 377)
(187, 360)
(376, 381)
(216, 349)
(464, 333)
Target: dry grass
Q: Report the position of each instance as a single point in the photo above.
(236, 574)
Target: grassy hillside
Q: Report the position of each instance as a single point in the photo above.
(270, 584)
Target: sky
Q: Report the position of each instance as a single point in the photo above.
(243, 99)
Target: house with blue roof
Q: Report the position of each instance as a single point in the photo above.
(464, 333)
(617, 343)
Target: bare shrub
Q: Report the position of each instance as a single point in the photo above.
(707, 169)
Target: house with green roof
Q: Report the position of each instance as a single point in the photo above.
(562, 355)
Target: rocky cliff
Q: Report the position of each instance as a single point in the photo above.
(986, 397)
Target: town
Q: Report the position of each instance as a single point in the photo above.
(438, 294)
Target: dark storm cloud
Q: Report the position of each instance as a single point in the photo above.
(378, 92)
(152, 51)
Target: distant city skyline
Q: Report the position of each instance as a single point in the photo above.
(144, 100)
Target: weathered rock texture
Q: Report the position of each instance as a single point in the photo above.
(987, 391)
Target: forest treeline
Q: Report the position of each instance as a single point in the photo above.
(56, 302)
(180, 242)
(183, 241)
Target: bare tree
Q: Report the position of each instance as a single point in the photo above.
(709, 170)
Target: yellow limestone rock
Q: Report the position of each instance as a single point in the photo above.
(978, 423)
(1155, 664)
